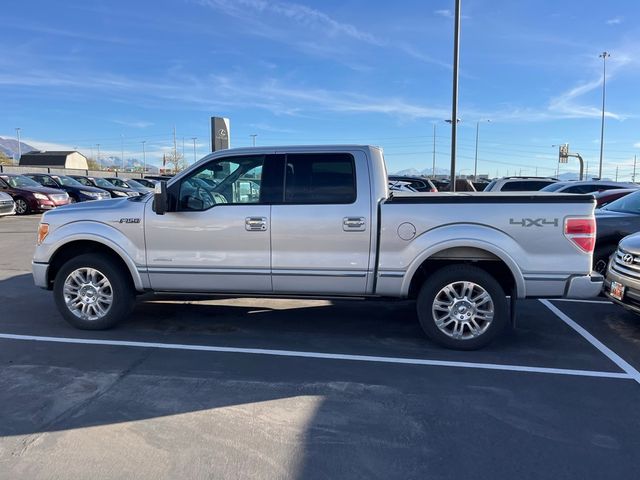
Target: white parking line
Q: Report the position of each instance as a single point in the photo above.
(576, 300)
(319, 355)
(610, 354)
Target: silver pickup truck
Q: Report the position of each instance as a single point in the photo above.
(320, 221)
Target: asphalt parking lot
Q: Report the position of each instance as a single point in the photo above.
(254, 388)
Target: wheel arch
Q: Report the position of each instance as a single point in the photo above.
(96, 245)
(481, 254)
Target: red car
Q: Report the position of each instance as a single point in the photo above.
(29, 196)
(607, 196)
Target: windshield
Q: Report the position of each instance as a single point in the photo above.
(20, 181)
(101, 182)
(627, 204)
(554, 187)
(67, 181)
(134, 184)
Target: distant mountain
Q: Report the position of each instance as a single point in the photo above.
(114, 162)
(427, 171)
(9, 147)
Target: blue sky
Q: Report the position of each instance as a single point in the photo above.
(78, 73)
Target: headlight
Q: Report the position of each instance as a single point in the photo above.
(40, 196)
(90, 194)
(120, 194)
(133, 194)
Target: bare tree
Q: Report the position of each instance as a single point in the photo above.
(175, 160)
(4, 160)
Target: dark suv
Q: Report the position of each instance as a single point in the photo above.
(104, 184)
(77, 191)
(30, 196)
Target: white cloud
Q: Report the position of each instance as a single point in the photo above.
(636, 145)
(444, 13)
(134, 123)
(614, 21)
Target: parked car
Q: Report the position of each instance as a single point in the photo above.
(605, 197)
(480, 185)
(622, 283)
(322, 223)
(106, 185)
(614, 222)
(419, 184)
(29, 196)
(159, 177)
(586, 186)
(77, 192)
(129, 183)
(399, 186)
(7, 205)
(147, 182)
(519, 184)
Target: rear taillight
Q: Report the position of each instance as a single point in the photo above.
(581, 231)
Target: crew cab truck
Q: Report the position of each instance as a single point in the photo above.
(319, 221)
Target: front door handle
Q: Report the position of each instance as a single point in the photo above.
(255, 224)
(354, 224)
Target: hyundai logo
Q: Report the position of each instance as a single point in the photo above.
(627, 258)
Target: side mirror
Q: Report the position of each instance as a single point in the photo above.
(161, 198)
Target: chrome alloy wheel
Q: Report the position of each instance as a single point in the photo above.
(21, 207)
(88, 293)
(463, 310)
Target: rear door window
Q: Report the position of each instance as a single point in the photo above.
(325, 178)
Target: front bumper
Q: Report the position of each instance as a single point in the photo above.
(585, 286)
(39, 272)
(631, 299)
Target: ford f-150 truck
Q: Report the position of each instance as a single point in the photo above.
(319, 221)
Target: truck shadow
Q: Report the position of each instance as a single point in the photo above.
(282, 417)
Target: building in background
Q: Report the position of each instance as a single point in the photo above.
(59, 159)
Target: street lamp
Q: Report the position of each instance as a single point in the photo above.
(19, 147)
(603, 56)
(122, 149)
(194, 148)
(475, 165)
(454, 96)
(253, 138)
(144, 158)
(99, 160)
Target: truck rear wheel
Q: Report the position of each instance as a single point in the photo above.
(92, 292)
(462, 307)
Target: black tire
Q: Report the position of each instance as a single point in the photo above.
(123, 291)
(22, 206)
(462, 273)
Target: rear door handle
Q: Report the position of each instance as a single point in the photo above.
(255, 224)
(354, 224)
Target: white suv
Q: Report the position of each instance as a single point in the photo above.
(519, 184)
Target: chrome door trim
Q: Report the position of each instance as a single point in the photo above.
(319, 273)
(206, 271)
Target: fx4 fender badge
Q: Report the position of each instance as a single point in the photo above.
(534, 222)
(129, 220)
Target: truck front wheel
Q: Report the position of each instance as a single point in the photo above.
(462, 307)
(92, 292)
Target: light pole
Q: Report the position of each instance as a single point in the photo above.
(452, 123)
(475, 165)
(194, 148)
(253, 138)
(603, 56)
(454, 96)
(19, 147)
(99, 160)
(144, 158)
(433, 170)
(122, 149)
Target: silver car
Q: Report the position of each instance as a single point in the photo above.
(7, 205)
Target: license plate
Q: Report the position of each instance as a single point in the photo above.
(617, 290)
